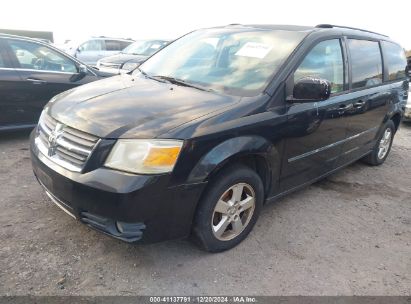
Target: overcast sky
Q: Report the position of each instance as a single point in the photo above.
(170, 19)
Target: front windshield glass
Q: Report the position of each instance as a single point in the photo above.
(144, 47)
(235, 61)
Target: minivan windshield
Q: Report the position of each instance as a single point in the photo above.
(144, 47)
(237, 61)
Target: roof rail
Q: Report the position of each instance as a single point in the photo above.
(346, 27)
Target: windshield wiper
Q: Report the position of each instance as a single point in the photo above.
(142, 72)
(151, 77)
(181, 82)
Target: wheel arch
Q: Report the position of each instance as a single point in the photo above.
(396, 118)
(255, 152)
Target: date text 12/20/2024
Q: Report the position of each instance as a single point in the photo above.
(203, 299)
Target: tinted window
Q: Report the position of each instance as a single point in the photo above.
(366, 63)
(324, 61)
(124, 44)
(2, 65)
(38, 57)
(395, 60)
(3, 55)
(92, 45)
(113, 45)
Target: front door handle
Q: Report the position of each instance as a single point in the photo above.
(359, 104)
(36, 81)
(344, 108)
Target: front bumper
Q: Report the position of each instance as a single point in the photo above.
(144, 208)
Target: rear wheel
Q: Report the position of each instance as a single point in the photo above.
(383, 146)
(228, 209)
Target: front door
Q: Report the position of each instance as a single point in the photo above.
(43, 73)
(10, 100)
(315, 131)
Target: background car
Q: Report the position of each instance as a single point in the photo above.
(31, 73)
(131, 57)
(407, 114)
(91, 50)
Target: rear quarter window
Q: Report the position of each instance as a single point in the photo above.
(395, 60)
(366, 63)
(124, 44)
(114, 45)
(2, 65)
(3, 55)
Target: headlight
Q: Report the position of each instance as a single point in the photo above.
(144, 156)
(129, 66)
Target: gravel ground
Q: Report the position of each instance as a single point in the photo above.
(349, 234)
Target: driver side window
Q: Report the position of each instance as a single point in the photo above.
(35, 56)
(324, 61)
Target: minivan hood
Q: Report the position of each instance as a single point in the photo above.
(127, 106)
(123, 58)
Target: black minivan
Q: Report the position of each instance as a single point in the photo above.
(218, 123)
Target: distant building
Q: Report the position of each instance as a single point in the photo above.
(47, 36)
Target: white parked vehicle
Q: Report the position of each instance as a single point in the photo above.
(93, 49)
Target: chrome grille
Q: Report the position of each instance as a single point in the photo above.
(64, 145)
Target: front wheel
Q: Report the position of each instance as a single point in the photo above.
(383, 146)
(228, 209)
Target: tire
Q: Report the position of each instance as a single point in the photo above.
(237, 222)
(376, 157)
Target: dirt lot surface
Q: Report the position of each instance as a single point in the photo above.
(348, 234)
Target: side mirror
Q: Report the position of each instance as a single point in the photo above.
(82, 69)
(310, 89)
(77, 52)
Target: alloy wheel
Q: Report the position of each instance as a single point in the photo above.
(385, 143)
(233, 212)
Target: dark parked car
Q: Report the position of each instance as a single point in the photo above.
(407, 114)
(131, 57)
(32, 72)
(215, 125)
